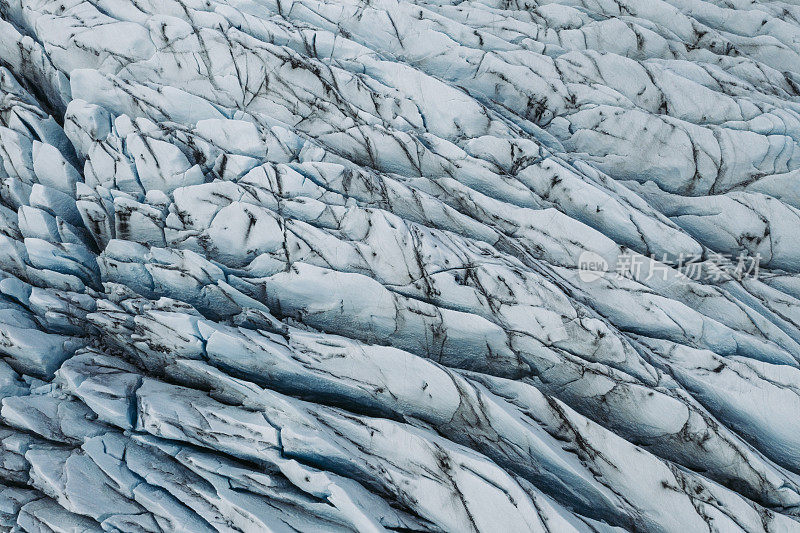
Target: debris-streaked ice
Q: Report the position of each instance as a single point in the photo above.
(412, 265)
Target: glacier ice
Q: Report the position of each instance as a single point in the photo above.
(411, 265)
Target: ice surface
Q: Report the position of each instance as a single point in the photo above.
(296, 265)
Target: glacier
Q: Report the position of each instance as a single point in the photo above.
(400, 265)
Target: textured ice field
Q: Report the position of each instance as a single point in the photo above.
(481, 265)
